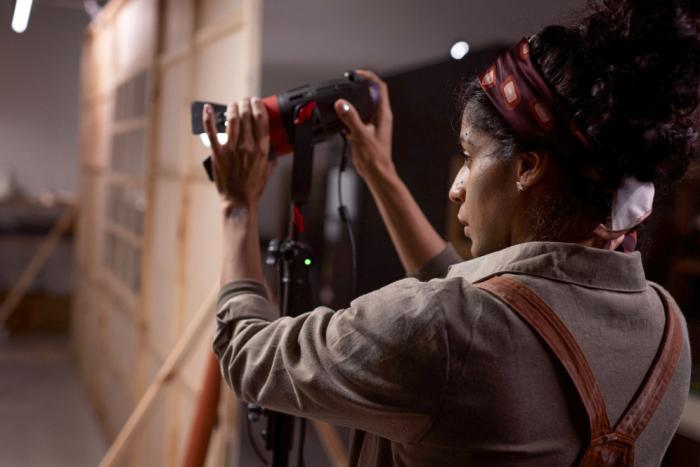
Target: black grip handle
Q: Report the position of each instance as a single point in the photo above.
(196, 110)
(208, 168)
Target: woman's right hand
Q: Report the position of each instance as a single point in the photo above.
(371, 142)
(415, 239)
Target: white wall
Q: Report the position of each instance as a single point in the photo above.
(39, 82)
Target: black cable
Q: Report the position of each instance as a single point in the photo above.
(302, 436)
(253, 443)
(345, 216)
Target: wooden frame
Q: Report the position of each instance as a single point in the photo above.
(122, 333)
(144, 287)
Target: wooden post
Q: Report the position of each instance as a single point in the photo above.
(37, 263)
(206, 415)
(203, 317)
(331, 443)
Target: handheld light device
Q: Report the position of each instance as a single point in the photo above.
(314, 101)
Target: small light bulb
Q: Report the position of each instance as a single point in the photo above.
(222, 137)
(307, 262)
(459, 50)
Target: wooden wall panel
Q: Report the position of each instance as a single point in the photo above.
(103, 60)
(184, 400)
(163, 267)
(213, 12)
(216, 56)
(178, 21)
(87, 339)
(135, 34)
(194, 367)
(151, 445)
(149, 233)
(84, 229)
(101, 133)
(115, 398)
(203, 244)
(96, 222)
(120, 344)
(174, 134)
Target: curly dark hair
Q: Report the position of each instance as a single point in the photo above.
(630, 74)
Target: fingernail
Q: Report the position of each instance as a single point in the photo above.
(345, 107)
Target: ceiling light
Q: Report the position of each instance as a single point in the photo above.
(459, 50)
(20, 18)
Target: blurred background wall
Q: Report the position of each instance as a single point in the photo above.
(39, 111)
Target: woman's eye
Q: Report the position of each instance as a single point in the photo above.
(467, 158)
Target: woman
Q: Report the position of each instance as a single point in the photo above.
(564, 137)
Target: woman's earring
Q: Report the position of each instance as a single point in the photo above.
(520, 185)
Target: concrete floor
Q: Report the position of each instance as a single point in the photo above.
(45, 417)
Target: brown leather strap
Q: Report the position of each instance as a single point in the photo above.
(552, 330)
(659, 376)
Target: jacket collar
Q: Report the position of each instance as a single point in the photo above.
(564, 262)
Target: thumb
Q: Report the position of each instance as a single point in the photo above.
(349, 116)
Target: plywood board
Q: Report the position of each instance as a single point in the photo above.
(135, 37)
(120, 343)
(103, 61)
(220, 68)
(173, 120)
(151, 445)
(117, 400)
(161, 304)
(212, 12)
(203, 244)
(177, 26)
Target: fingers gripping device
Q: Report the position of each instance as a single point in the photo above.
(300, 118)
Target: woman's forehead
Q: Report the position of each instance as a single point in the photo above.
(469, 135)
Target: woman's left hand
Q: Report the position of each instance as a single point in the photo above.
(241, 166)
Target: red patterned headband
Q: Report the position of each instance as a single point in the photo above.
(523, 98)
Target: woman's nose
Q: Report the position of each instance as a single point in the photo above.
(457, 190)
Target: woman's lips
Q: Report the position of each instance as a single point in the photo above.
(467, 231)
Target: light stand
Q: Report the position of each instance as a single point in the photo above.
(293, 259)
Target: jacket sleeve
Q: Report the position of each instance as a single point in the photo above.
(437, 266)
(379, 365)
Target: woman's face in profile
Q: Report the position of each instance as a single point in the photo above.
(485, 191)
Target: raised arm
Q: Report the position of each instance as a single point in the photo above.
(380, 365)
(241, 170)
(342, 367)
(415, 240)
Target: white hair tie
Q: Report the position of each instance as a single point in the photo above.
(632, 203)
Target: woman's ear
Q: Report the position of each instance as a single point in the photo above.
(531, 168)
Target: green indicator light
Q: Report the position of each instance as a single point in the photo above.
(307, 261)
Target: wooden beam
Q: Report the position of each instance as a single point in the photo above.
(37, 262)
(183, 346)
(335, 449)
